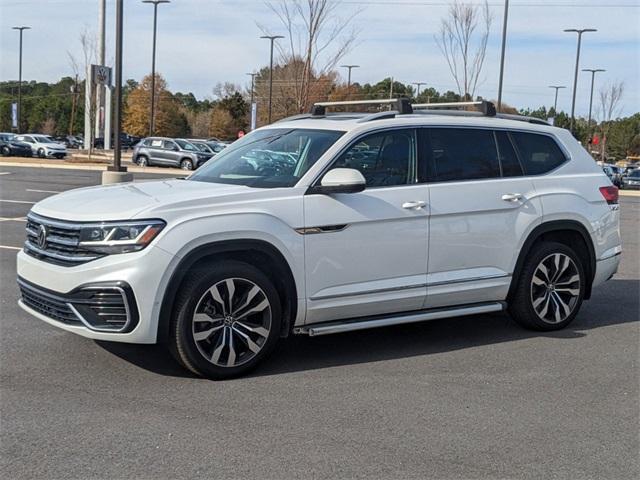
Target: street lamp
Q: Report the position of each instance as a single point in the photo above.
(555, 102)
(575, 77)
(152, 121)
(504, 46)
(593, 74)
(20, 29)
(253, 112)
(349, 67)
(418, 85)
(272, 38)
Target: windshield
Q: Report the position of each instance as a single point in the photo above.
(635, 173)
(202, 147)
(184, 145)
(274, 157)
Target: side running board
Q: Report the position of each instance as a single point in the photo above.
(384, 321)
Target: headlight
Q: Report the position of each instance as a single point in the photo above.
(120, 237)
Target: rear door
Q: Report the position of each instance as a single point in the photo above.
(481, 206)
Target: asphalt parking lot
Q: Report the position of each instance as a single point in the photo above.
(473, 397)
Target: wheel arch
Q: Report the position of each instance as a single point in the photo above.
(258, 253)
(569, 232)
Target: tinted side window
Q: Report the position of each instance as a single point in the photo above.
(508, 159)
(538, 153)
(384, 159)
(453, 154)
(169, 145)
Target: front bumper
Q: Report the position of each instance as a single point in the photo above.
(55, 153)
(627, 186)
(142, 272)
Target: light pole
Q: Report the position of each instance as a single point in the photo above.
(253, 110)
(272, 38)
(418, 85)
(555, 102)
(593, 74)
(575, 77)
(504, 46)
(152, 120)
(20, 29)
(349, 68)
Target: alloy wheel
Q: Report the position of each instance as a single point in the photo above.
(231, 322)
(555, 288)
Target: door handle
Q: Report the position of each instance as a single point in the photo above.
(512, 197)
(415, 205)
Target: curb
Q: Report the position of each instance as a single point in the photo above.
(94, 167)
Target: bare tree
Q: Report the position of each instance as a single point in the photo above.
(317, 38)
(463, 40)
(609, 106)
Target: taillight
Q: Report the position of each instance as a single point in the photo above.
(610, 194)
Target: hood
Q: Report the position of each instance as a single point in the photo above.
(128, 200)
(56, 146)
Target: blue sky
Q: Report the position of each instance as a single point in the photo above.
(203, 42)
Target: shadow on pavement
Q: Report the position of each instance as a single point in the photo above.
(616, 302)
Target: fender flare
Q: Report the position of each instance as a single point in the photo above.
(283, 272)
(556, 226)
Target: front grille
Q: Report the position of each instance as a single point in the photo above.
(56, 241)
(48, 305)
(105, 307)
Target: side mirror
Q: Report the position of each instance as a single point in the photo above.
(341, 180)
(175, 148)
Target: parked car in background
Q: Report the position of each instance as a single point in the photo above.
(126, 141)
(69, 141)
(614, 175)
(9, 146)
(169, 152)
(208, 146)
(43, 146)
(631, 181)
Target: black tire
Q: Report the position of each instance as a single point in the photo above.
(142, 161)
(186, 164)
(562, 294)
(6, 151)
(193, 292)
(41, 153)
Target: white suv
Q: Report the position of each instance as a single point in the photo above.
(329, 223)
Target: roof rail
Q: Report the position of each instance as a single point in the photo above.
(487, 108)
(403, 105)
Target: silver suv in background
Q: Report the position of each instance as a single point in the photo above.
(169, 152)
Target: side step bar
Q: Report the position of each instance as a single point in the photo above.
(375, 322)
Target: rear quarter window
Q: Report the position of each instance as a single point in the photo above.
(538, 153)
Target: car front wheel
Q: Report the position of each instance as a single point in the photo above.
(186, 164)
(142, 161)
(6, 151)
(550, 289)
(41, 153)
(227, 319)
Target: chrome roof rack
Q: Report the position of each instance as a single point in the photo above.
(488, 109)
(402, 105)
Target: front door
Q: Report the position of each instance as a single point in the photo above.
(366, 253)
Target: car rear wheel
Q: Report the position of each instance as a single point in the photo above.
(226, 320)
(186, 164)
(550, 289)
(142, 161)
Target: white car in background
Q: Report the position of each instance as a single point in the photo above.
(43, 146)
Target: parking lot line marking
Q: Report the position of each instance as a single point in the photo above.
(8, 247)
(13, 219)
(5, 173)
(17, 201)
(42, 191)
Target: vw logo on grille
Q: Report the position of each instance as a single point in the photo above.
(42, 237)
